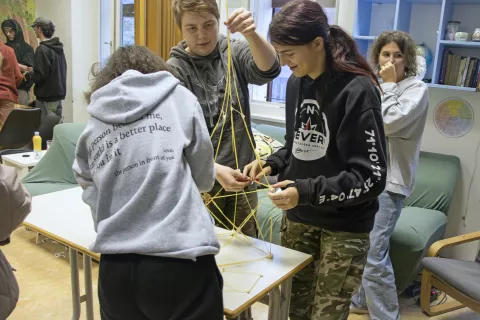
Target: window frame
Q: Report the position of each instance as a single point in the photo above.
(266, 111)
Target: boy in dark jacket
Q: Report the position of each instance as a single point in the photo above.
(50, 69)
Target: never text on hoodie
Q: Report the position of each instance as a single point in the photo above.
(335, 151)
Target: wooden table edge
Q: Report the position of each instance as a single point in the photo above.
(261, 294)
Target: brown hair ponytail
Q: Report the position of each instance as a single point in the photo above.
(301, 21)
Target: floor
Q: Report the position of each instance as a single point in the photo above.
(43, 275)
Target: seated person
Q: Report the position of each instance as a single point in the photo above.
(142, 160)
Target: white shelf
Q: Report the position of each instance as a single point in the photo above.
(370, 38)
(463, 44)
(442, 86)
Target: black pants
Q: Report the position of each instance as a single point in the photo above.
(137, 287)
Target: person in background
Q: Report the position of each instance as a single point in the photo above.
(24, 53)
(49, 72)
(142, 161)
(10, 79)
(16, 205)
(404, 109)
(201, 63)
(333, 166)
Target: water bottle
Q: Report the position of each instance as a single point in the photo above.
(37, 145)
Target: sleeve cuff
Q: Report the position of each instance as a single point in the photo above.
(303, 193)
(273, 165)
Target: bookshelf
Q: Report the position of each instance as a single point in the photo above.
(426, 21)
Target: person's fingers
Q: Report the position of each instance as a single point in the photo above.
(254, 171)
(236, 186)
(281, 184)
(262, 173)
(240, 176)
(233, 16)
(243, 25)
(238, 21)
(247, 169)
(277, 197)
(249, 29)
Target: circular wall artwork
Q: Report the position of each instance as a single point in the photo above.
(453, 117)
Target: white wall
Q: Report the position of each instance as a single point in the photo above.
(85, 26)
(77, 24)
(460, 221)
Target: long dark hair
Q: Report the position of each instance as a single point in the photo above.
(302, 21)
(136, 58)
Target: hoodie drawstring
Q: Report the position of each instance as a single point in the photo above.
(207, 98)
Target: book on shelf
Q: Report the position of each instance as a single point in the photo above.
(460, 71)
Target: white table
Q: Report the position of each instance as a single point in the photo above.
(63, 216)
(22, 161)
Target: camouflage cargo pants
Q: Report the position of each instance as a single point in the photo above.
(227, 206)
(324, 289)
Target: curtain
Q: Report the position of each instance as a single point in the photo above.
(155, 26)
(170, 34)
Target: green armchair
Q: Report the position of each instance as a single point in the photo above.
(54, 171)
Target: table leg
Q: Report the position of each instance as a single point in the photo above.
(285, 296)
(274, 304)
(87, 269)
(246, 315)
(75, 284)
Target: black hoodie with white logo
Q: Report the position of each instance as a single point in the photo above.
(335, 150)
(50, 71)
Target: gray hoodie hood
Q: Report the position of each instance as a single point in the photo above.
(131, 96)
(142, 161)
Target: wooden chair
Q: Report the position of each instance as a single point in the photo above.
(458, 279)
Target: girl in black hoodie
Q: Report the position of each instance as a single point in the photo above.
(24, 53)
(333, 165)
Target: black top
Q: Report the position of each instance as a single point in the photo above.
(335, 150)
(23, 51)
(50, 71)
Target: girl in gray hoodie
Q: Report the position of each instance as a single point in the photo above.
(142, 160)
(404, 111)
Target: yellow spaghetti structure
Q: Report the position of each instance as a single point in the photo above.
(228, 110)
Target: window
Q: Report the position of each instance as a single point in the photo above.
(263, 12)
(117, 26)
(127, 23)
